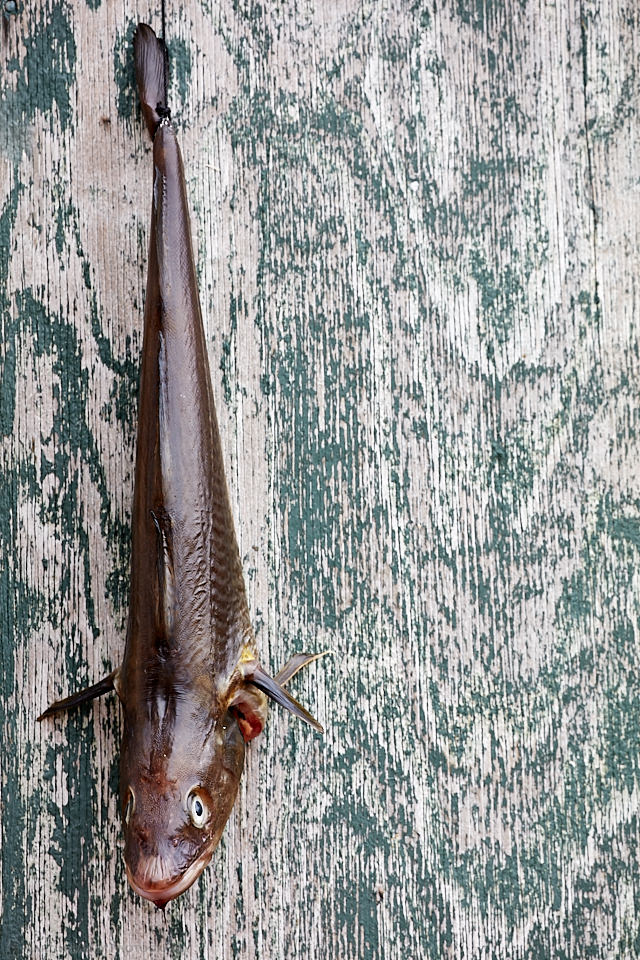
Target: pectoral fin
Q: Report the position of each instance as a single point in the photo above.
(273, 688)
(297, 662)
(89, 693)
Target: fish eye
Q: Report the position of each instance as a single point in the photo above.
(197, 809)
(128, 810)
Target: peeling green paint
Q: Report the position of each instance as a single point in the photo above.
(9, 330)
(180, 66)
(21, 610)
(50, 55)
(450, 440)
(124, 73)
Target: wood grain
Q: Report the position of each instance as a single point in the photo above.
(417, 233)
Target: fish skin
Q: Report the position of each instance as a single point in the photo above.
(190, 683)
(189, 625)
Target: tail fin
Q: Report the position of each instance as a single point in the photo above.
(152, 75)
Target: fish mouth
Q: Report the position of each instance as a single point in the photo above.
(162, 892)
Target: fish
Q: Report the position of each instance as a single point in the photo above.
(191, 685)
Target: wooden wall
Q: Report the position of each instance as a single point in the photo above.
(417, 230)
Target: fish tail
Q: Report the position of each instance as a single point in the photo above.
(152, 75)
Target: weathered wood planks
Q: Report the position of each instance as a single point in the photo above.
(417, 231)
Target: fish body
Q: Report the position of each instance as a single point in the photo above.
(190, 683)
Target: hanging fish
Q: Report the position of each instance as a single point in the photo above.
(191, 685)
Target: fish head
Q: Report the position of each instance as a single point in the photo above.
(179, 776)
